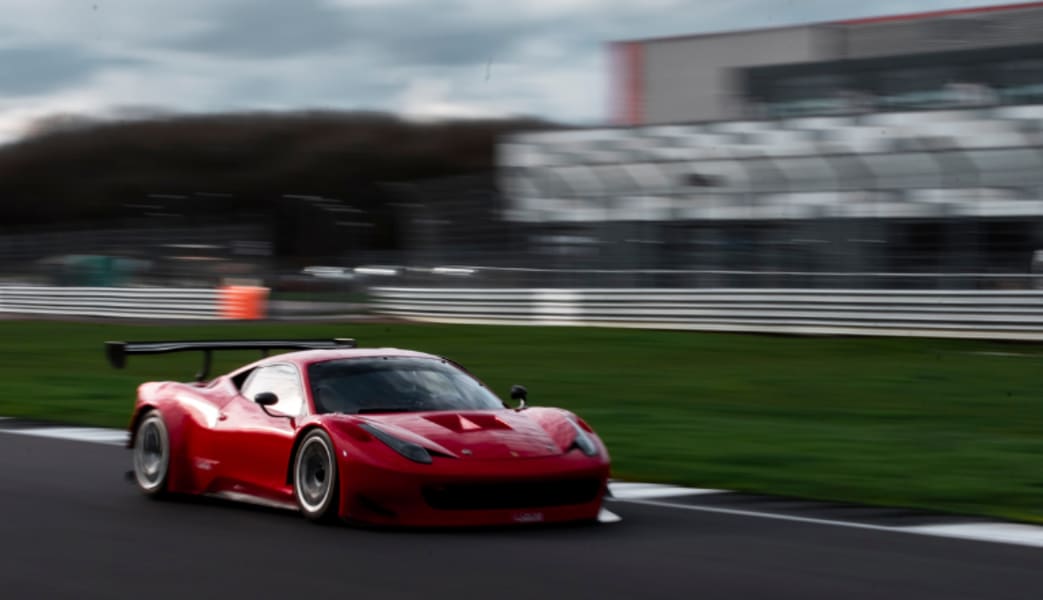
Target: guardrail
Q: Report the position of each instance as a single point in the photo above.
(980, 314)
(488, 277)
(234, 302)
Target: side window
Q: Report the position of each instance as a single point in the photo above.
(281, 380)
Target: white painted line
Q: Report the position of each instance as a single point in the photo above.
(645, 493)
(635, 491)
(751, 513)
(1000, 533)
(95, 435)
(1004, 533)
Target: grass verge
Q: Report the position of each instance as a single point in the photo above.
(940, 424)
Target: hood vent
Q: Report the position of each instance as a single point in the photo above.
(463, 423)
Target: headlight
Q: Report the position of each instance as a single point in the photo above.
(409, 450)
(583, 441)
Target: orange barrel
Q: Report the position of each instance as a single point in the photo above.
(243, 302)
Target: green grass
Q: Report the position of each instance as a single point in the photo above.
(920, 423)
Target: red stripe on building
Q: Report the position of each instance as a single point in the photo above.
(616, 89)
(627, 83)
(941, 13)
(631, 61)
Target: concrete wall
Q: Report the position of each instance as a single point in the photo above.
(952, 32)
(696, 79)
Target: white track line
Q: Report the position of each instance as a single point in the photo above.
(116, 437)
(997, 532)
(1004, 533)
(640, 491)
(646, 493)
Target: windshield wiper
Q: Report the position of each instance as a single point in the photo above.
(363, 411)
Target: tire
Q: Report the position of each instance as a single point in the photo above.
(152, 455)
(315, 478)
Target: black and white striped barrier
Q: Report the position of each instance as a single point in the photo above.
(979, 314)
(235, 302)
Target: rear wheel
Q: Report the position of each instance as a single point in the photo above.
(315, 477)
(152, 455)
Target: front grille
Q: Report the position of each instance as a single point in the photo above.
(527, 494)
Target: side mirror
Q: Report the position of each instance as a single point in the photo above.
(519, 393)
(266, 399)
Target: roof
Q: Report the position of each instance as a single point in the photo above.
(935, 14)
(915, 16)
(306, 357)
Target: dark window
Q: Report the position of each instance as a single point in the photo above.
(1021, 80)
(360, 385)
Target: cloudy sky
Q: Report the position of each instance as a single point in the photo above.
(427, 58)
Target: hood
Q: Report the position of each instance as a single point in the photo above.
(479, 435)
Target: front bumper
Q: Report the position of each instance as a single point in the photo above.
(455, 493)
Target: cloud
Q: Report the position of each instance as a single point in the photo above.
(450, 45)
(421, 57)
(41, 68)
(401, 33)
(427, 98)
(250, 29)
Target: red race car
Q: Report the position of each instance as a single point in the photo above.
(380, 436)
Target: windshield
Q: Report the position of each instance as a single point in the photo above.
(361, 385)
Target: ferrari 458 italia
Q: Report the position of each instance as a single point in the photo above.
(379, 436)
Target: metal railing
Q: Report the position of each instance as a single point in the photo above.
(927, 313)
(476, 276)
(106, 302)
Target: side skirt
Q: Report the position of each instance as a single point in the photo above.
(250, 499)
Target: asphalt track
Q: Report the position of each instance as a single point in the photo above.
(71, 526)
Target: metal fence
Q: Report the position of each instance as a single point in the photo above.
(977, 314)
(158, 255)
(910, 250)
(458, 276)
(1016, 315)
(107, 302)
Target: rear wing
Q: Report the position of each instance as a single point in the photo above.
(117, 352)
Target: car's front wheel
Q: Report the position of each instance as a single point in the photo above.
(315, 477)
(151, 455)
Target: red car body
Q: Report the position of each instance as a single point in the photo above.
(488, 467)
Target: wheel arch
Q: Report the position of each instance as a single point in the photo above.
(135, 420)
(303, 433)
(178, 422)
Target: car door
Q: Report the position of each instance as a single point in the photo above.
(256, 441)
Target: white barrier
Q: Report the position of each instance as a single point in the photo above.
(141, 303)
(980, 314)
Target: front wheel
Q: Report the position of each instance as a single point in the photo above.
(152, 455)
(315, 477)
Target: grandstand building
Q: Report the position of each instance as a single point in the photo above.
(927, 60)
(892, 145)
